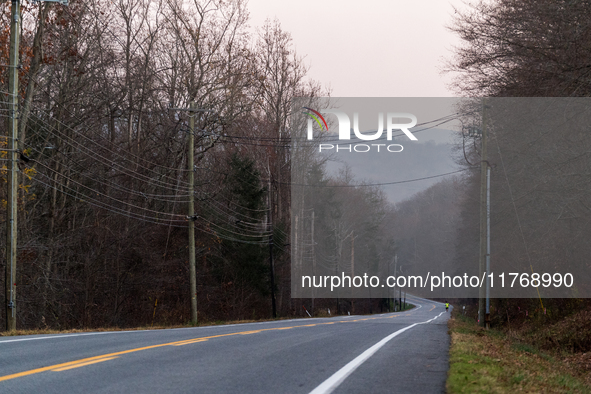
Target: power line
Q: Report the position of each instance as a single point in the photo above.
(101, 193)
(102, 180)
(384, 183)
(141, 194)
(103, 160)
(153, 220)
(99, 204)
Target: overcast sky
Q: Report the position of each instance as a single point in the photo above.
(371, 48)
(376, 48)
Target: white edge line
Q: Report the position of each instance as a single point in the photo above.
(338, 377)
(65, 336)
(54, 336)
(181, 328)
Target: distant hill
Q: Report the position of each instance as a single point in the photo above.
(418, 159)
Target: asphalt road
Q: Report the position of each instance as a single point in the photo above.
(405, 352)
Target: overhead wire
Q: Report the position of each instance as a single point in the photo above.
(153, 220)
(105, 161)
(99, 204)
(141, 194)
(382, 183)
(101, 193)
(236, 137)
(254, 226)
(220, 227)
(103, 181)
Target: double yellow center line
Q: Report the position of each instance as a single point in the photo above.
(105, 357)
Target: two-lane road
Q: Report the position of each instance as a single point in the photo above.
(403, 352)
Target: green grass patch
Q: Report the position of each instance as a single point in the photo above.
(488, 361)
(525, 348)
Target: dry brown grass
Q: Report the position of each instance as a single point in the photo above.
(103, 329)
(490, 361)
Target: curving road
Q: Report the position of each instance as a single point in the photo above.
(404, 352)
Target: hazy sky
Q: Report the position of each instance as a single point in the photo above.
(376, 48)
(430, 155)
(371, 48)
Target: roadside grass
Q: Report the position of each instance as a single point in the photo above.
(489, 361)
(140, 328)
(202, 323)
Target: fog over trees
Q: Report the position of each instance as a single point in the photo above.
(103, 183)
(538, 148)
(103, 178)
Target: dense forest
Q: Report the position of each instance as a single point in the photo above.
(104, 91)
(104, 127)
(103, 180)
(540, 186)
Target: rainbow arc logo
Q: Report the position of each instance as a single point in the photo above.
(315, 115)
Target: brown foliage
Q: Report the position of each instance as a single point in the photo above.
(523, 48)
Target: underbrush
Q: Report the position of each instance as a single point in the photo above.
(570, 335)
(495, 361)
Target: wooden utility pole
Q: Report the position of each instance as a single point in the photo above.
(483, 214)
(294, 259)
(191, 209)
(487, 313)
(352, 255)
(191, 169)
(272, 273)
(313, 261)
(395, 268)
(12, 166)
(11, 208)
(389, 292)
(352, 267)
(271, 264)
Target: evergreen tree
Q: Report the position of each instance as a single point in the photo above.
(243, 241)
